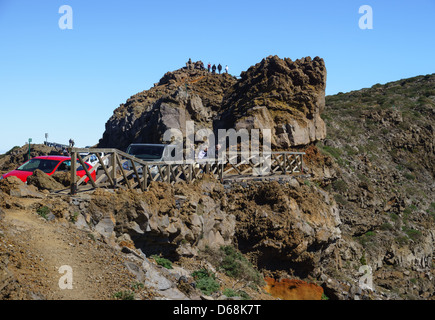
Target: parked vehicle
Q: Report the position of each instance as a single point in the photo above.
(93, 159)
(150, 152)
(49, 165)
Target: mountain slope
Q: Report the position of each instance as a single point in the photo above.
(382, 139)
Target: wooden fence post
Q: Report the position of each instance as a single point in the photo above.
(73, 172)
(113, 163)
(189, 169)
(285, 163)
(168, 172)
(145, 177)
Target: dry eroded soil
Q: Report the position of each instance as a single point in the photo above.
(33, 250)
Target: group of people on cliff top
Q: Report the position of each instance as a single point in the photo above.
(219, 68)
(210, 68)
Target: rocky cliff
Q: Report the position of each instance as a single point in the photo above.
(278, 94)
(180, 96)
(282, 95)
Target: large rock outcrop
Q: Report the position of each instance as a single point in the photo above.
(285, 225)
(174, 221)
(180, 96)
(282, 95)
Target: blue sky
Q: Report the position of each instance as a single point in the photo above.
(68, 82)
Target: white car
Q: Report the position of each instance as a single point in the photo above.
(93, 159)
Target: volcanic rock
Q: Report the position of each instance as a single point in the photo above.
(293, 289)
(284, 96)
(180, 96)
(278, 94)
(43, 181)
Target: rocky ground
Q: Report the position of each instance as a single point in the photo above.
(34, 249)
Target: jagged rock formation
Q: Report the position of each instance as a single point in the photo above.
(170, 221)
(180, 96)
(284, 225)
(284, 96)
(43, 181)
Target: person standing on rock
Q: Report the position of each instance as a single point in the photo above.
(208, 67)
(189, 64)
(226, 69)
(213, 68)
(219, 68)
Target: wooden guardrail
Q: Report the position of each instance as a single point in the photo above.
(118, 169)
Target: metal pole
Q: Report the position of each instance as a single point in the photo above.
(30, 140)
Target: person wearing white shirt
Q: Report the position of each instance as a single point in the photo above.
(203, 153)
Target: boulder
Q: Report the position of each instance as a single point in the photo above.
(43, 181)
(16, 188)
(10, 183)
(106, 227)
(63, 178)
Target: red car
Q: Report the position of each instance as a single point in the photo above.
(49, 165)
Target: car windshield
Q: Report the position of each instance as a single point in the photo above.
(146, 152)
(42, 164)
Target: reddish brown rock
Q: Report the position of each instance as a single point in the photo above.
(292, 289)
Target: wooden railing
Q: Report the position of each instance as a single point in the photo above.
(118, 169)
